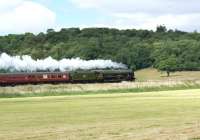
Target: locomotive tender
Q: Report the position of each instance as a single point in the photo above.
(79, 76)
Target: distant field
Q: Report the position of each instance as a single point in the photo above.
(153, 74)
(147, 80)
(172, 115)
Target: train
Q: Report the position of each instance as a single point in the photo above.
(78, 76)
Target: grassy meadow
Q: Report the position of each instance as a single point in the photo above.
(163, 115)
(155, 107)
(151, 74)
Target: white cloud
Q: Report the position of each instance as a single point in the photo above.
(6, 5)
(146, 14)
(142, 6)
(187, 22)
(19, 16)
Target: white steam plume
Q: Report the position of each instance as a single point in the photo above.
(26, 63)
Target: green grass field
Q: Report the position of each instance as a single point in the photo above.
(167, 115)
(155, 75)
(92, 112)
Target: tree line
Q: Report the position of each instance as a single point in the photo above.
(166, 50)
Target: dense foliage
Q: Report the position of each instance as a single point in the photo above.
(168, 50)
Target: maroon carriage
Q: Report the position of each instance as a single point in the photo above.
(34, 78)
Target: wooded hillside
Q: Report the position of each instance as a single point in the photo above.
(168, 50)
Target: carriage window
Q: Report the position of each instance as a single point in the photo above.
(45, 76)
(59, 76)
(53, 76)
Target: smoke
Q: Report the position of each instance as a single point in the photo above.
(26, 64)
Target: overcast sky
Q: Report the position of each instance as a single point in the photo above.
(19, 16)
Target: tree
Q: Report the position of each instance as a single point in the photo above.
(169, 65)
(161, 29)
(166, 57)
(50, 31)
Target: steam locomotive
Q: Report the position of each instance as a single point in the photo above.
(78, 76)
